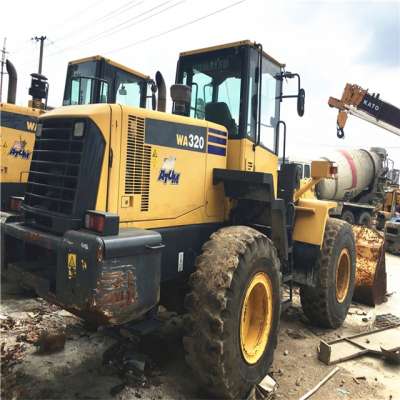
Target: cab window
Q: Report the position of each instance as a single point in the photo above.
(81, 91)
(103, 92)
(128, 89)
(270, 90)
(128, 93)
(307, 171)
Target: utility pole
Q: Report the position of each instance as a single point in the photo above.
(40, 39)
(3, 61)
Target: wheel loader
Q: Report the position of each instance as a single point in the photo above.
(127, 208)
(17, 135)
(90, 80)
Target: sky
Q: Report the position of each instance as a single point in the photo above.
(328, 43)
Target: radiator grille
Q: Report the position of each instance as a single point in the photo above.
(54, 168)
(138, 156)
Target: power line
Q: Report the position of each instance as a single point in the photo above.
(105, 17)
(177, 27)
(125, 7)
(111, 31)
(114, 29)
(62, 23)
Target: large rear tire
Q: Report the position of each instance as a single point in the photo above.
(327, 304)
(234, 310)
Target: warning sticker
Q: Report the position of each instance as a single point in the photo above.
(71, 263)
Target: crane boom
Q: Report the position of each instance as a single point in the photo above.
(358, 102)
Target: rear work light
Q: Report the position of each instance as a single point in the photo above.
(16, 203)
(104, 223)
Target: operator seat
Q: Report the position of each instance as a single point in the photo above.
(219, 113)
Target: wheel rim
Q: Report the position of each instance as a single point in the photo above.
(343, 275)
(256, 318)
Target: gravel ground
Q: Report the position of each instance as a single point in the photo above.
(107, 363)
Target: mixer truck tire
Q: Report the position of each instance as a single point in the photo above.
(327, 304)
(364, 219)
(234, 310)
(348, 216)
(380, 222)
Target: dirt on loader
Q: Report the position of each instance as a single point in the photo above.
(114, 363)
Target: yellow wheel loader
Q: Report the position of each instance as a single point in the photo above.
(127, 208)
(90, 80)
(17, 135)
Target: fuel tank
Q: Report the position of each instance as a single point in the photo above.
(357, 170)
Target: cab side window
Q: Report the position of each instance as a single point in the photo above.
(269, 120)
(270, 90)
(307, 171)
(81, 91)
(128, 93)
(103, 92)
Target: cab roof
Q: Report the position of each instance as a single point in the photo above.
(230, 45)
(111, 62)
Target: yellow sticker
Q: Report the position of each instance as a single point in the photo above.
(71, 263)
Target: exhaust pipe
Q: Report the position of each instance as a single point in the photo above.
(12, 82)
(162, 92)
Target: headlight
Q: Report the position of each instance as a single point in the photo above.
(79, 129)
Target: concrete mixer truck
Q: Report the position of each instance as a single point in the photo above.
(359, 188)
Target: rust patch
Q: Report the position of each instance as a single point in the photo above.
(32, 236)
(115, 291)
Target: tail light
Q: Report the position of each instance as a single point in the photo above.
(16, 203)
(102, 222)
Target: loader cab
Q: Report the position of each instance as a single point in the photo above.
(101, 80)
(227, 88)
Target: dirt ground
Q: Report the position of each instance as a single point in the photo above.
(108, 363)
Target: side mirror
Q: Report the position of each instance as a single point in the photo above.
(300, 102)
(122, 91)
(153, 101)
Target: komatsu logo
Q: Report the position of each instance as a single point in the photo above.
(371, 105)
(18, 150)
(168, 173)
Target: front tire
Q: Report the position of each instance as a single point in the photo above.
(234, 310)
(327, 304)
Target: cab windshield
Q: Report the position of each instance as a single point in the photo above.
(216, 82)
(98, 81)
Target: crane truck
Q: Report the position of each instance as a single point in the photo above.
(89, 80)
(134, 207)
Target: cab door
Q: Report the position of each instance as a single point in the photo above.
(268, 114)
